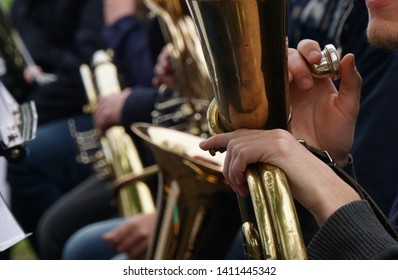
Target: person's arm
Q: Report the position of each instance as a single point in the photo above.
(132, 236)
(132, 105)
(139, 105)
(313, 183)
(353, 232)
(324, 118)
(129, 37)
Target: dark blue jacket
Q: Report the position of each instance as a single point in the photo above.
(60, 35)
(343, 23)
(136, 46)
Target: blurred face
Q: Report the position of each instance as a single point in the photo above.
(383, 23)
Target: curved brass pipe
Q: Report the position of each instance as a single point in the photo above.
(195, 204)
(184, 48)
(117, 155)
(246, 52)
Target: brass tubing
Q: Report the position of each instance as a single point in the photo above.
(244, 43)
(119, 156)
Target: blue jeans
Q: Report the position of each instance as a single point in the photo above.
(87, 243)
(49, 170)
(89, 202)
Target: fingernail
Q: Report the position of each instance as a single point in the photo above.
(315, 56)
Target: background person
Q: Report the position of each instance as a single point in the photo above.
(343, 24)
(136, 43)
(59, 35)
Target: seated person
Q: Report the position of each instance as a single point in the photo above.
(344, 216)
(136, 45)
(60, 36)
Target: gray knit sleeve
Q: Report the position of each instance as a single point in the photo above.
(353, 232)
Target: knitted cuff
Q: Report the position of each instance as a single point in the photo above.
(352, 232)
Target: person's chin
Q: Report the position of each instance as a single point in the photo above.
(383, 34)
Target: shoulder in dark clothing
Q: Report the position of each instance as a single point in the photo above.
(60, 35)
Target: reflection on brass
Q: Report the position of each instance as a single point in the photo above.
(253, 249)
(329, 66)
(195, 205)
(198, 216)
(193, 89)
(244, 44)
(184, 48)
(112, 154)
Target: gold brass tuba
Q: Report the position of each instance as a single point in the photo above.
(194, 90)
(113, 154)
(194, 202)
(197, 210)
(184, 47)
(245, 48)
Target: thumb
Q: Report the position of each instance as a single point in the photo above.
(110, 235)
(351, 81)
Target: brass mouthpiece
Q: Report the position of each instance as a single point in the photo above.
(329, 66)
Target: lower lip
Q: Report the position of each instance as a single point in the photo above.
(377, 3)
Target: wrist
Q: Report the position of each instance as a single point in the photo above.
(336, 194)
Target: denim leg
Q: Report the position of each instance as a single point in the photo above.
(236, 251)
(49, 170)
(89, 202)
(87, 243)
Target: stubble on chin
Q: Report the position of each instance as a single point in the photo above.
(383, 35)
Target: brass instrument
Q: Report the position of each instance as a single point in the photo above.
(193, 88)
(197, 210)
(182, 113)
(113, 153)
(184, 48)
(194, 202)
(246, 52)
